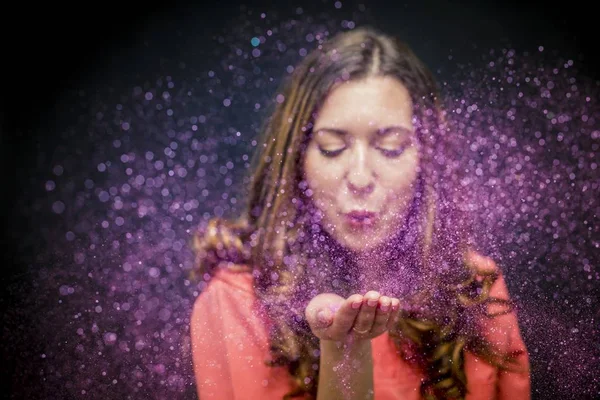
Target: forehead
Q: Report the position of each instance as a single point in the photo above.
(367, 103)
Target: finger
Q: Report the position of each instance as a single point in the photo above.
(366, 316)
(394, 313)
(324, 318)
(395, 304)
(382, 314)
(346, 315)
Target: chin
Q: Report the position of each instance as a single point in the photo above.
(360, 244)
(356, 241)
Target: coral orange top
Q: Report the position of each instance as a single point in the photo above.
(230, 341)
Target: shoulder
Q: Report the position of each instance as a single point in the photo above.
(500, 323)
(485, 267)
(229, 287)
(228, 310)
(500, 327)
(481, 263)
(231, 278)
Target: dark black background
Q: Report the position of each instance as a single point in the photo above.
(49, 50)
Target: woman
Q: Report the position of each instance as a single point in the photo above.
(350, 276)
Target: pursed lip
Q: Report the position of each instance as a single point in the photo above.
(361, 214)
(360, 218)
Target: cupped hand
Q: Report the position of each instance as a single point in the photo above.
(331, 317)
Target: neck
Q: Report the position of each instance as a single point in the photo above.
(373, 270)
(385, 271)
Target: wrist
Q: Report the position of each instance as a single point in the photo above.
(349, 345)
(347, 369)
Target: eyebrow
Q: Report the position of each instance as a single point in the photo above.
(379, 132)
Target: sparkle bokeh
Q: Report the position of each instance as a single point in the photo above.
(137, 166)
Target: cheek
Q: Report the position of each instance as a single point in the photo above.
(322, 176)
(399, 180)
(322, 180)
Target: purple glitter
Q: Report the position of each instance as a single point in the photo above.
(140, 169)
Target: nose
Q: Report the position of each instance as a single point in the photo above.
(360, 177)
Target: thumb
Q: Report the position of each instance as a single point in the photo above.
(324, 318)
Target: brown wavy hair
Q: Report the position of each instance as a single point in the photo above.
(279, 239)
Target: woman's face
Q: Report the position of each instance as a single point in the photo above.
(362, 159)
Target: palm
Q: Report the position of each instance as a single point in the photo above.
(331, 317)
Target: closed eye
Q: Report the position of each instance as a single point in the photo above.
(386, 152)
(331, 153)
(392, 153)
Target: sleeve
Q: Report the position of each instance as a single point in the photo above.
(229, 346)
(504, 333)
(209, 348)
(512, 385)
